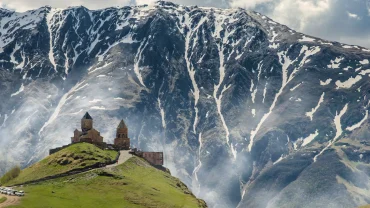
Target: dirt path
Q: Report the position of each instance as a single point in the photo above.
(10, 200)
(123, 157)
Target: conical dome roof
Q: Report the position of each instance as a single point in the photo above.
(122, 125)
(87, 116)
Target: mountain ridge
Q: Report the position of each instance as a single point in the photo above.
(218, 91)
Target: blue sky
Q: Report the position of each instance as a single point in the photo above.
(346, 21)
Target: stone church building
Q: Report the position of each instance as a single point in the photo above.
(91, 135)
(88, 133)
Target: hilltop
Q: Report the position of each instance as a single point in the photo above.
(73, 158)
(135, 183)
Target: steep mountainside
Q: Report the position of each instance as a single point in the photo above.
(248, 112)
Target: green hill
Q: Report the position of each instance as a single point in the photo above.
(132, 184)
(71, 158)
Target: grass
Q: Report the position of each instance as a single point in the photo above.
(2, 199)
(133, 184)
(10, 175)
(73, 157)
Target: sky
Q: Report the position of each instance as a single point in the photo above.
(345, 21)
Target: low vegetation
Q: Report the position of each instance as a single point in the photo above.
(10, 175)
(71, 158)
(2, 199)
(134, 184)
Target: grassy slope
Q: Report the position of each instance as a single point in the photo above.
(132, 184)
(73, 157)
(2, 199)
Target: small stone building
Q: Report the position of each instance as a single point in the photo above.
(154, 158)
(88, 133)
(122, 141)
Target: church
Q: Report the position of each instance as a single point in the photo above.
(121, 142)
(90, 135)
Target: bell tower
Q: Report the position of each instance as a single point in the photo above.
(122, 141)
(122, 130)
(86, 123)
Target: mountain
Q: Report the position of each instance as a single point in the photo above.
(248, 112)
(134, 183)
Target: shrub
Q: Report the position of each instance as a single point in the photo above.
(11, 174)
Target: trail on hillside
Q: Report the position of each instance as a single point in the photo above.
(10, 200)
(123, 157)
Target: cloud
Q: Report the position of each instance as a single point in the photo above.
(298, 13)
(353, 16)
(247, 4)
(294, 13)
(327, 19)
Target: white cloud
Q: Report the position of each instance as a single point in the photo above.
(141, 2)
(249, 4)
(353, 16)
(294, 13)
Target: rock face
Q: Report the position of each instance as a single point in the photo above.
(248, 112)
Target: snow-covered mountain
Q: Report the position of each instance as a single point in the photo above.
(248, 112)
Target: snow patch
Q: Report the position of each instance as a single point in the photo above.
(278, 160)
(328, 81)
(358, 125)
(306, 39)
(196, 170)
(364, 72)
(334, 64)
(98, 68)
(310, 138)
(285, 62)
(138, 58)
(162, 113)
(313, 111)
(338, 127)
(295, 87)
(49, 22)
(364, 62)
(348, 83)
(21, 89)
(221, 47)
